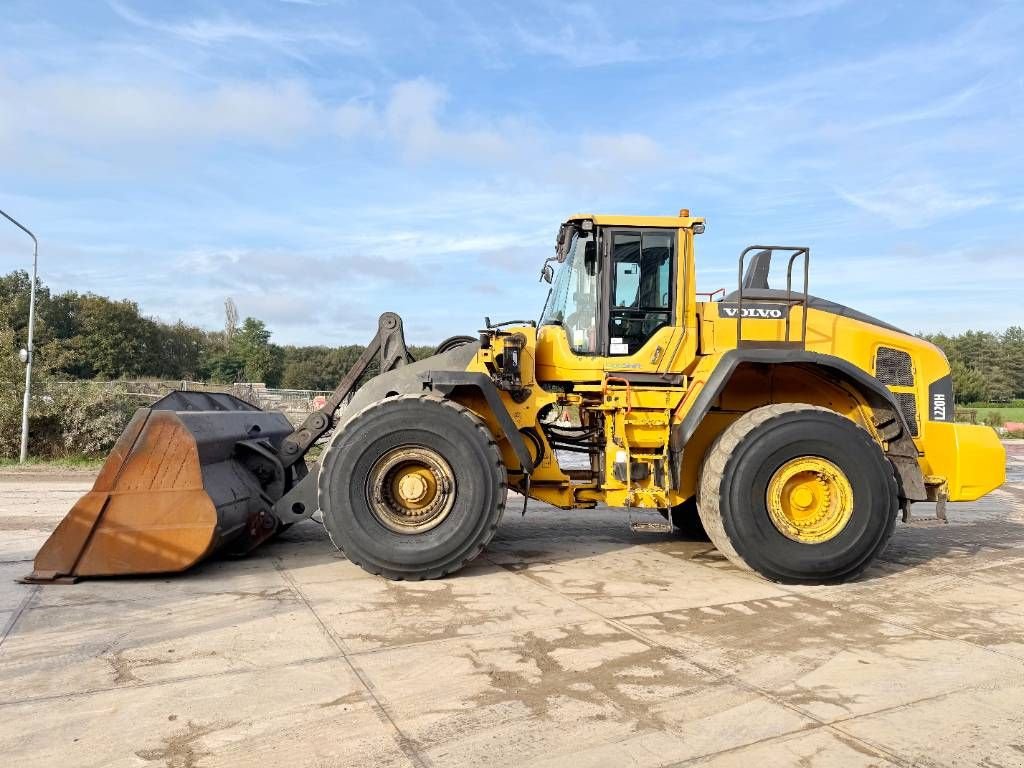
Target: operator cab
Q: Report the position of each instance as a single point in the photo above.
(614, 292)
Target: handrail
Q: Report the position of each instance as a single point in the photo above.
(796, 251)
(711, 294)
(806, 253)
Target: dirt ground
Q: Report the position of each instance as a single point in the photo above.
(572, 642)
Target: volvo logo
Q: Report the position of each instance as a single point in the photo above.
(755, 311)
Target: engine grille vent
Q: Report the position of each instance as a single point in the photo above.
(892, 367)
(908, 406)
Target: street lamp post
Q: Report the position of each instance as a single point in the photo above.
(29, 352)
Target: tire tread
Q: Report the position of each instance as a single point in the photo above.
(716, 463)
(501, 484)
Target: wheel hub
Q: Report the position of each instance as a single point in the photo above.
(809, 500)
(411, 489)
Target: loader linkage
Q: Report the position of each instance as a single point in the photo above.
(198, 473)
(389, 342)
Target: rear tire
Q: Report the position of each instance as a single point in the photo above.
(686, 522)
(735, 481)
(471, 497)
(453, 342)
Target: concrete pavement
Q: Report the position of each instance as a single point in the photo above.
(573, 641)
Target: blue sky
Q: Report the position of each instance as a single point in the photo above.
(321, 162)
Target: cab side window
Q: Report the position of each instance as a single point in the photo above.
(641, 288)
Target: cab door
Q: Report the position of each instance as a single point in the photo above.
(639, 286)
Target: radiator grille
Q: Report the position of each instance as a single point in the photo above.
(892, 367)
(908, 406)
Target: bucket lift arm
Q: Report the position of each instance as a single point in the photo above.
(389, 343)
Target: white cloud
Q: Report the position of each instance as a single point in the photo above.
(164, 123)
(581, 36)
(584, 49)
(227, 30)
(764, 11)
(411, 117)
(353, 119)
(913, 204)
(622, 149)
(89, 112)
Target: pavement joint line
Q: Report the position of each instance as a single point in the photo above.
(884, 751)
(22, 607)
(897, 707)
(713, 673)
(697, 759)
(404, 742)
(750, 687)
(743, 684)
(293, 585)
(114, 600)
(90, 603)
(157, 683)
(887, 619)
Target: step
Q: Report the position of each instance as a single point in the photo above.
(650, 526)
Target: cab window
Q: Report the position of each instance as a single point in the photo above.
(641, 288)
(572, 301)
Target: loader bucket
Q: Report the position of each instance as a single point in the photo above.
(193, 474)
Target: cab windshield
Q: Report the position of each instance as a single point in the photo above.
(572, 302)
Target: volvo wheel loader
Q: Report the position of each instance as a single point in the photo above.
(792, 429)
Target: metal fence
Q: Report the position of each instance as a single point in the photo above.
(294, 403)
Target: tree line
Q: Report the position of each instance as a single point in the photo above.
(987, 367)
(86, 336)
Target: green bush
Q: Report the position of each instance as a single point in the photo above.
(89, 419)
(10, 420)
(12, 377)
(993, 419)
(966, 415)
(65, 420)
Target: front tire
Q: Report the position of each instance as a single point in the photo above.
(799, 494)
(413, 488)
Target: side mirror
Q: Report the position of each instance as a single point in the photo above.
(547, 273)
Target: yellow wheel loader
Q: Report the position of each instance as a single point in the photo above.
(792, 429)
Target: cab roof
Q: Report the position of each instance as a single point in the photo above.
(616, 220)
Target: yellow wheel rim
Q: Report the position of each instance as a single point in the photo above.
(411, 489)
(809, 500)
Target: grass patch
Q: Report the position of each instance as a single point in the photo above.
(1008, 413)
